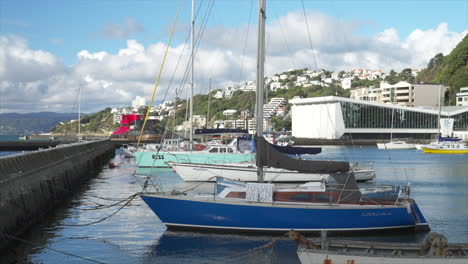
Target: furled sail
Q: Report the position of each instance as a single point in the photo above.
(298, 150)
(271, 157)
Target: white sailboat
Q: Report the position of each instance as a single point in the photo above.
(395, 144)
(247, 172)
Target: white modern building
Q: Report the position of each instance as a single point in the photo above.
(334, 117)
(462, 97)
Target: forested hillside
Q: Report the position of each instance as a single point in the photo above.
(100, 122)
(450, 70)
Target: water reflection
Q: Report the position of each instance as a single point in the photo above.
(191, 247)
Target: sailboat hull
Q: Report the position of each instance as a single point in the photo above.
(444, 151)
(151, 159)
(395, 145)
(248, 172)
(267, 217)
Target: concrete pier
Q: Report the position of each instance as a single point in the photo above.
(32, 184)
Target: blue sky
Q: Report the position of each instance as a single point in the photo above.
(66, 27)
(113, 49)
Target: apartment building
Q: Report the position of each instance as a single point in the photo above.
(402, 93)
(462, 97)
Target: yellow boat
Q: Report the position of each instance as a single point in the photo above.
(446, 148)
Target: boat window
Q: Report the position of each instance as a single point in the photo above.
(230, 150)
(223, 150)
(214, 150)
(302, 197)
(240, 195)
(324, 197)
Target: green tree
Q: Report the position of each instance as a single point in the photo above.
(406, 75)
(392, 77)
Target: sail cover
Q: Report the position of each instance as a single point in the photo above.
(271, 157)
(298, 150)
(346, 184)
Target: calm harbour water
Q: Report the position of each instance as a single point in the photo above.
(135, 235)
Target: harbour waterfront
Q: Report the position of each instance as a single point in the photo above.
(135, 235)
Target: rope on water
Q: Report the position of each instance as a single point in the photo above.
(248, 253)
(105, 206)
(107, 217)
(52, 249)
(244, 254)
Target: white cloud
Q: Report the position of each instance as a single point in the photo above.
(35, 80)
(123, 31)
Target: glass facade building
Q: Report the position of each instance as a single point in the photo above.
(357, 115)
(336, 117)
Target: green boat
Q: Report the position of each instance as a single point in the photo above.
(213, 154)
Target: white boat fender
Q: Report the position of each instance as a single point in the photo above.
(408, 207)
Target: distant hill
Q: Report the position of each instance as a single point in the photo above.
(450, 70)
(31, 123)
(100, 122)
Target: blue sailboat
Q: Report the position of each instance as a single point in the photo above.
(263, 209)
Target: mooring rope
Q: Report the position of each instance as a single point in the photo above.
(107, 217)
(52, 249)
(105, 206)
(240, 255)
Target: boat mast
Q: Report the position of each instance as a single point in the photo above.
(393, 114)
(208, 114)
(79, 113)
(191, 82)
(260, 78)
(440, 110)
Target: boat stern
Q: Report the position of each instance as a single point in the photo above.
(421, 225)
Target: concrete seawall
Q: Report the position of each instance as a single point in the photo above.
(32, 184)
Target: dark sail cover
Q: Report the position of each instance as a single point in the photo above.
(448, 139)
(271, 157)
(346, 185)
(297, 150)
